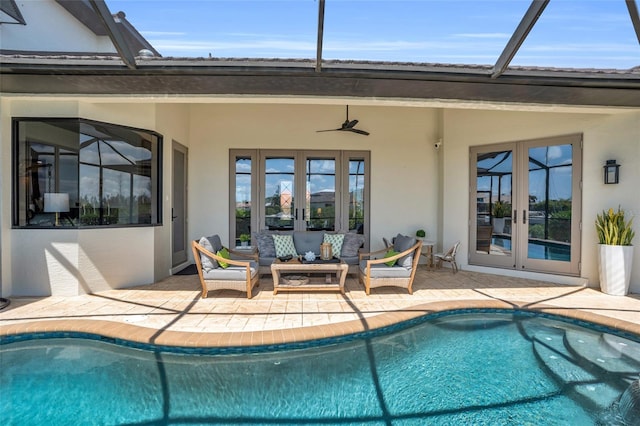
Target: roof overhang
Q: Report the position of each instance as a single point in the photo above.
(219, 77)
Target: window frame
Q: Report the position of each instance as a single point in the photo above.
(156, 176)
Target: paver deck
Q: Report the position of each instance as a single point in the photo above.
(171, 312)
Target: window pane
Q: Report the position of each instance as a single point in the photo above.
(243, 197)
(321, 194)
(108, 173)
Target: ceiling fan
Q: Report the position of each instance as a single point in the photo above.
(347, 126)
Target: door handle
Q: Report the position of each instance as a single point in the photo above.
(296, 215)
(172, 216)
(515, 217)
(524, 217)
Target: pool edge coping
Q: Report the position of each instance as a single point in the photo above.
(172, 338)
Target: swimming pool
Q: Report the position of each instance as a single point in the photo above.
(473, 368)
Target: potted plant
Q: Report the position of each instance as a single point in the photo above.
(244, 239)
(500, 210)
(421, 233)
(615, 252)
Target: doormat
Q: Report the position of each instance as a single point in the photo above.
(189, 270)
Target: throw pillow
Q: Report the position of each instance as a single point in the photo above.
(208, 263)
(402, 243)
(336, 241)
(351, 244)
(264, 240)
(284, 245)
(224, 253)
(390, 253)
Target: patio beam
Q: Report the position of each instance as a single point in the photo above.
(635, 16)
(101, 9)
(517, 38)
(320, 35)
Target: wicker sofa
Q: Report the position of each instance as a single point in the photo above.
(304, 242)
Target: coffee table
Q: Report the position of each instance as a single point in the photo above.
(335, 275)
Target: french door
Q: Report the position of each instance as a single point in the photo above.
(299, 190)
(525, 205)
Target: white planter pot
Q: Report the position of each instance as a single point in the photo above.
(498, 225)
(614, 267)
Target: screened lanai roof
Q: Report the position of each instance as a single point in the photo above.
(557, 51)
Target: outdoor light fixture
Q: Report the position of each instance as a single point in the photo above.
(611, 172)
(56, 202)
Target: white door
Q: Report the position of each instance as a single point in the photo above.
(179, 204)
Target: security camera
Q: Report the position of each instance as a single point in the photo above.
(437, 145)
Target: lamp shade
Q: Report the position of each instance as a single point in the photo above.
(56, 202)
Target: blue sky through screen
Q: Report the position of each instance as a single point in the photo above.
(570, 33)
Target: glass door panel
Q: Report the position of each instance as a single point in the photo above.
(279, 193)
(320, 208)
(356, 193)
(551, 190)
(492, 228)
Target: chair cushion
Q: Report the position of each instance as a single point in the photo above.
(351, 244)
(380, 270)
(215, 242)
(264, 240)
(308, 241)
(402, 243)
(336, 241)
(208, 263)
(232, 273)
(284, 245)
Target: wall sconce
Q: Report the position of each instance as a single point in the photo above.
(611, 172)
(56, 202)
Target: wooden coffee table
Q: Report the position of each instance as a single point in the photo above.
(334, 277)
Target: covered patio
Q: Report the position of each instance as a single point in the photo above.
(171, 312)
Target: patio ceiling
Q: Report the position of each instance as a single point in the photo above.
(127, 74)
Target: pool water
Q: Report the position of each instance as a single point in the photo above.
(459, 369)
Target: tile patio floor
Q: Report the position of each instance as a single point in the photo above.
(171, 312)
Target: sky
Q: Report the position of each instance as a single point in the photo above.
(570, 33)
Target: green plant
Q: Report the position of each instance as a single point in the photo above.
(500, 209)
(612, 228)
(420, 233)
(245, 237)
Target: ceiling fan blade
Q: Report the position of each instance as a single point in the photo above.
(352, 123)
(360, 132)
(329, 130)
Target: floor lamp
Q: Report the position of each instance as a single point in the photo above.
(56, 202)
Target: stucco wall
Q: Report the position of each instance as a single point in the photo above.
(606, 136)
(403, 159)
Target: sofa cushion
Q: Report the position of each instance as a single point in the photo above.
(351, 244)
(380, 270)
(264, 240)
(336, 241)
(207, 262)
(402, 243)
(284, 245)
(308, 241)
(215, 242)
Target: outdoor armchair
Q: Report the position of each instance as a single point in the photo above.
(217, 272)
(394, 270)
(449, 256)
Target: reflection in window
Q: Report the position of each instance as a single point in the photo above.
(109, 174)
(321, 194)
